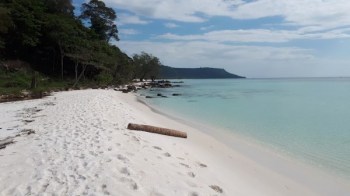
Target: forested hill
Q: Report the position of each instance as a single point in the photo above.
(195, 73)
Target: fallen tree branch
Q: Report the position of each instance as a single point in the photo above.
(158, 130)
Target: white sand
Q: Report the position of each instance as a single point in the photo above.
(82, 147)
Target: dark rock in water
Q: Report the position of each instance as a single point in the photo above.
(159, 95)
(176, 94)
(149, 97)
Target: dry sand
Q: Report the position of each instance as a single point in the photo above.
(81, 147)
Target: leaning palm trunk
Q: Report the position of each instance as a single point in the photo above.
(159, 130)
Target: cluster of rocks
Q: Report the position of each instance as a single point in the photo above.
(147, 85)
(163, 96)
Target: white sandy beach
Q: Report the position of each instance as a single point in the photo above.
(81, 147)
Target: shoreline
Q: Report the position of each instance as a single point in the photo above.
(236, 140)
(81, 145)
(287, 164)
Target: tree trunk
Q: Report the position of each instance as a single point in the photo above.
(158, 130)
(62, 56)
(81, 74)
(33, 83)
(76, 71)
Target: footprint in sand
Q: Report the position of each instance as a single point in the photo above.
(125, 171)
(216, 188)
(157, 147)
(122, 158)
(202, 164)
(167, 154)
(191, 174)
(134, 138)
(193, 194)
(132, 184)
(104, 187)
(185, 165)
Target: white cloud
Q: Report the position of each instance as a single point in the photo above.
(250, 61)
(230, 57)
(178, 10)
(171, 25)
(322, 13)
(325, 13)
(131, 19)
(128, 32)
(260, 35)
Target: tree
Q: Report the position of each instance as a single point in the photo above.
(27, 16)
(60, 6)
(65, 32)
(101, 19)
(5, 23)
(147, 66)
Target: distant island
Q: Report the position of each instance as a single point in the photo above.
(167, 72)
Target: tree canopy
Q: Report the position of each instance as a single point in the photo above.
(46, 37)
(101, 19)
(147, 66)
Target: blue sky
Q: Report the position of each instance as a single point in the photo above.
(255, 38)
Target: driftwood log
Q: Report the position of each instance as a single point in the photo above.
(158, 130)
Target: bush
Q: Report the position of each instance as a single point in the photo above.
(104, 78)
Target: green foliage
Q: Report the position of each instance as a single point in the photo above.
(60, 6)
(104, 78)
(27, 16)
(52, 42)
(147, 66)
(101, 19)
(5, 23)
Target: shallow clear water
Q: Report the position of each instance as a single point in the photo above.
(308, 119)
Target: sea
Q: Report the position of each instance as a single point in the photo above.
(307, 119)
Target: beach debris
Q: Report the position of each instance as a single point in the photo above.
(202, 164)
(167, 154)
(216, 188)
(28, 120)
(185, 165)
(5, 142)
(158, 130)
(28, 131)
(191, 174)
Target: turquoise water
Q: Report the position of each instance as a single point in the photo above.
(308, 119)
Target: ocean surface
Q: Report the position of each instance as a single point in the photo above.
(307, 119)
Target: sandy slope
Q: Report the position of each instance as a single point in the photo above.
(82, 147)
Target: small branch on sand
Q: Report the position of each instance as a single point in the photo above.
(159, 130)
(5, 142)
